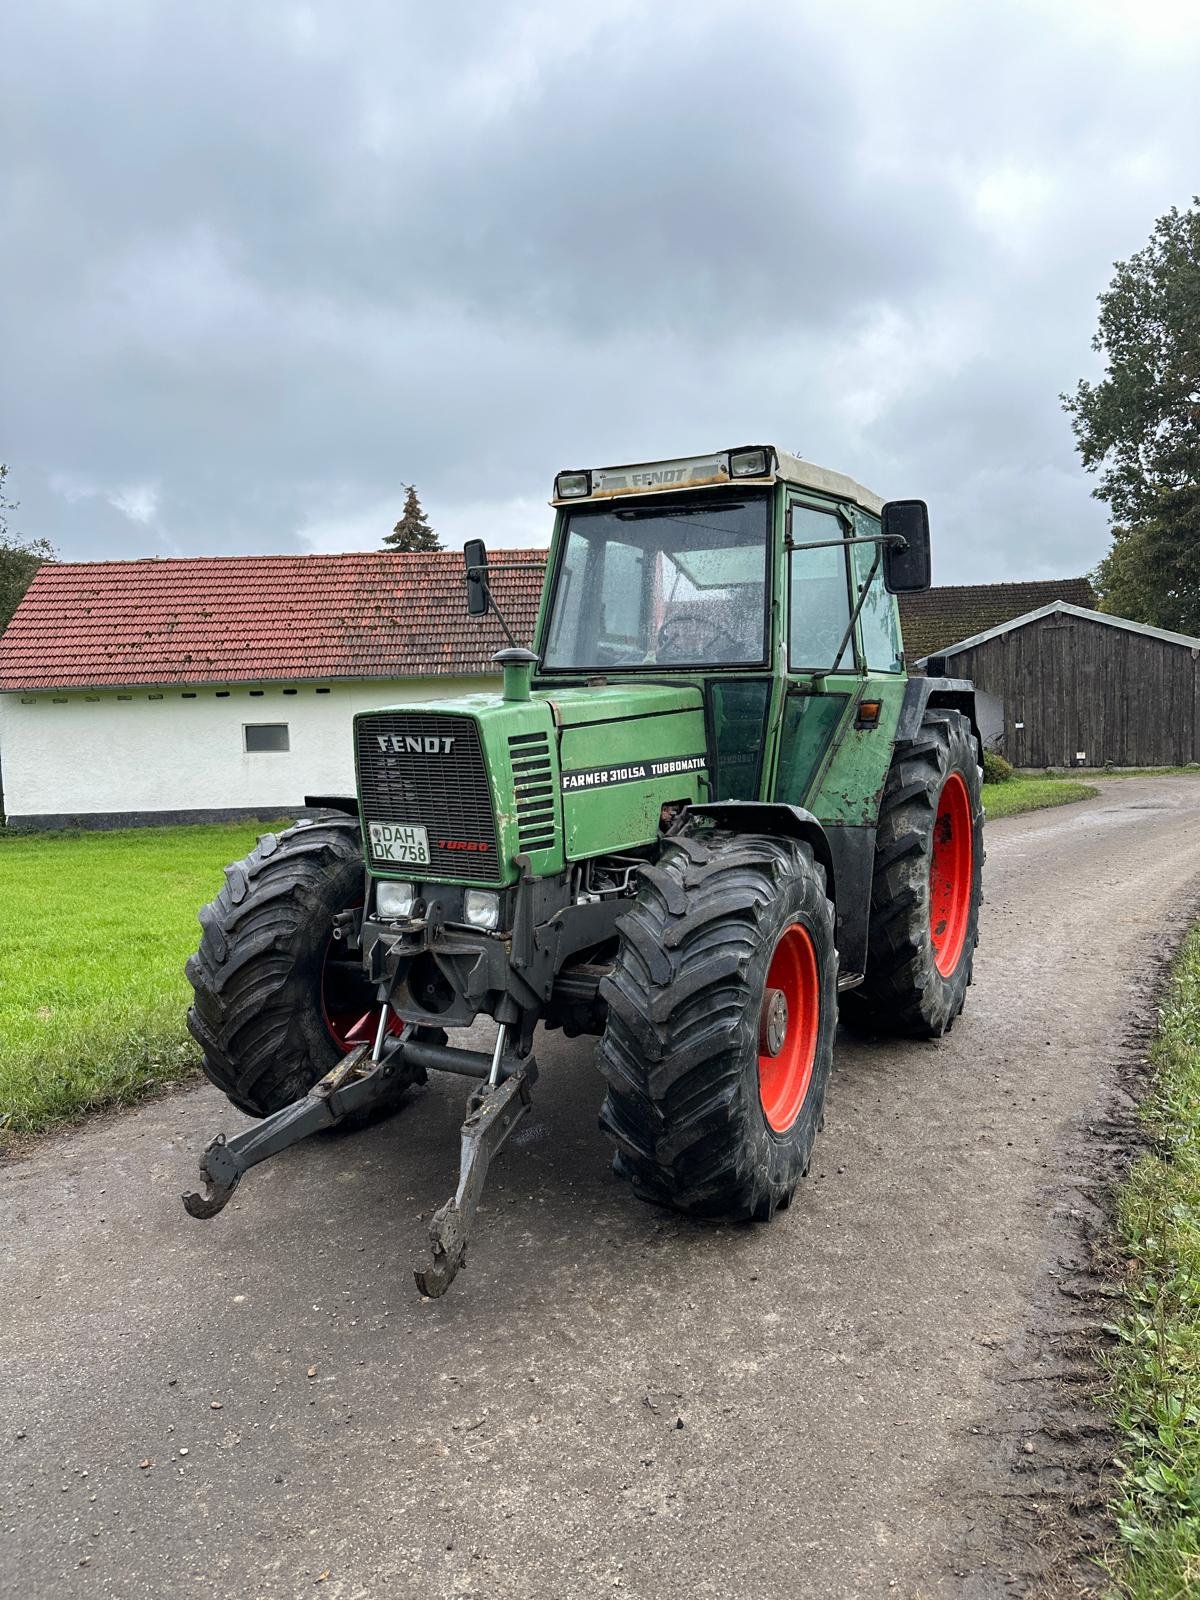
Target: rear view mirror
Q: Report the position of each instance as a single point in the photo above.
(475, 560)
(906, 565)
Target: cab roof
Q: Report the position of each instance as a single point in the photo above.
(707, 471)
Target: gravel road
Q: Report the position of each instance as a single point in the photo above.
(610, 1400)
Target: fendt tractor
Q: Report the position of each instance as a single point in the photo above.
(705, 816)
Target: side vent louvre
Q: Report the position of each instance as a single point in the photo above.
(533, 784)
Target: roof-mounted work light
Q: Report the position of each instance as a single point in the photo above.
(572, 485)
(756, 462)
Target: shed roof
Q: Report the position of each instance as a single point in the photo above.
(239, 619)
(1061, 607)
(939, 618)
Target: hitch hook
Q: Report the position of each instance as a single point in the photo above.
(220, 1174)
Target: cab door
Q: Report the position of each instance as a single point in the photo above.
(822, 682)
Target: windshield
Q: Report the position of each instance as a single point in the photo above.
(648, 586)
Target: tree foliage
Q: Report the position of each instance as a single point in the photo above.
(19, 558)
(1138, 428)
(413, 531)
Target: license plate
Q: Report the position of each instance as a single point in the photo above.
(399, 842)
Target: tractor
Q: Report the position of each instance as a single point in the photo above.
(707, 815)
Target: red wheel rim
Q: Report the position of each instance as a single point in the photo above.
(348, 1003)
(950, 874)
(783, 1078)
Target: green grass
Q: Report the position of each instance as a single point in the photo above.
(1191, 771)
(1032, 794)
(1058, 774)
(1028, 790)
(94, 931)
(1155, 1388)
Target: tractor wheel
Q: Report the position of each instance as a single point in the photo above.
(927, 886)
(722, 1005)
(277, 1001)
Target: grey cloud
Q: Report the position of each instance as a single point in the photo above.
(271, 262)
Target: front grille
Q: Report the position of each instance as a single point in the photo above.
(442, 787)
(533, 785)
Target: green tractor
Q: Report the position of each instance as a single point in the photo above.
(708, 814)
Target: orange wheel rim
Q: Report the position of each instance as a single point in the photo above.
(950, 875)
(785, 1074)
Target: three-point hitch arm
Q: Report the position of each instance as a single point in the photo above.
(366, 1078)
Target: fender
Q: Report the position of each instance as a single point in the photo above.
(949, 694)
(846, 853)
(771, 816)
(332, 802)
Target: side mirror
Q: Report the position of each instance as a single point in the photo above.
(475, 561)
(906, 566)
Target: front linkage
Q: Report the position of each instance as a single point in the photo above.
(372, 1076)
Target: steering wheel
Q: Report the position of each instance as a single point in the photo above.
(692, 638)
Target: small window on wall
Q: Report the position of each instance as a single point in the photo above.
(265, 736)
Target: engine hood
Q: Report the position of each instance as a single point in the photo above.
(618, 702)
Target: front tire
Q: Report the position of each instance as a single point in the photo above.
(927, 887)
(277, 1004)
(715, 1085)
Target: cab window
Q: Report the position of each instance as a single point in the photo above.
(818, 592)
(668, 583)
(878, 621)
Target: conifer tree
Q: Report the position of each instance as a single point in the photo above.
(413, 531)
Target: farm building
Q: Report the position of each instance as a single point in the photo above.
(189, 690)
(1080, 688)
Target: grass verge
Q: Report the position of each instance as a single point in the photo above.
(1059, 773)
(1155, 1373)
(94, 931)
(1032, 794)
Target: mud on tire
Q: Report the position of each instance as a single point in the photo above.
(260, 975)
(681, 1048)
(904, 991)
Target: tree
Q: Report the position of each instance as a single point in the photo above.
(1139, 427)
(19, 558)
(412, 532)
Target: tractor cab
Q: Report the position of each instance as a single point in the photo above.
(764, 580)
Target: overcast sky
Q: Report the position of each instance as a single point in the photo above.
(265, 263)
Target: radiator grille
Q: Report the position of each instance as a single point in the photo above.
(441, 787)
(533, 784)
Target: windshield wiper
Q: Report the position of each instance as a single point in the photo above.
(643, 513)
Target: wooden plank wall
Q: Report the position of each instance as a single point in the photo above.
(1078, 685)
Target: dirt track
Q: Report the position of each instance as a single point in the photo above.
(608, 1400)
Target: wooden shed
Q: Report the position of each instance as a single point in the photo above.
(1080, 688)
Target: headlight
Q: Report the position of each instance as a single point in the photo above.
(481, 908)
(394, 900)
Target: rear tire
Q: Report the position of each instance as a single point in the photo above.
(275, 1008)
(928, 885)
(702, 1119)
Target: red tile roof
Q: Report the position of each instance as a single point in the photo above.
(239, 619)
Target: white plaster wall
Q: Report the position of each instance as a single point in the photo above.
(145, 751)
